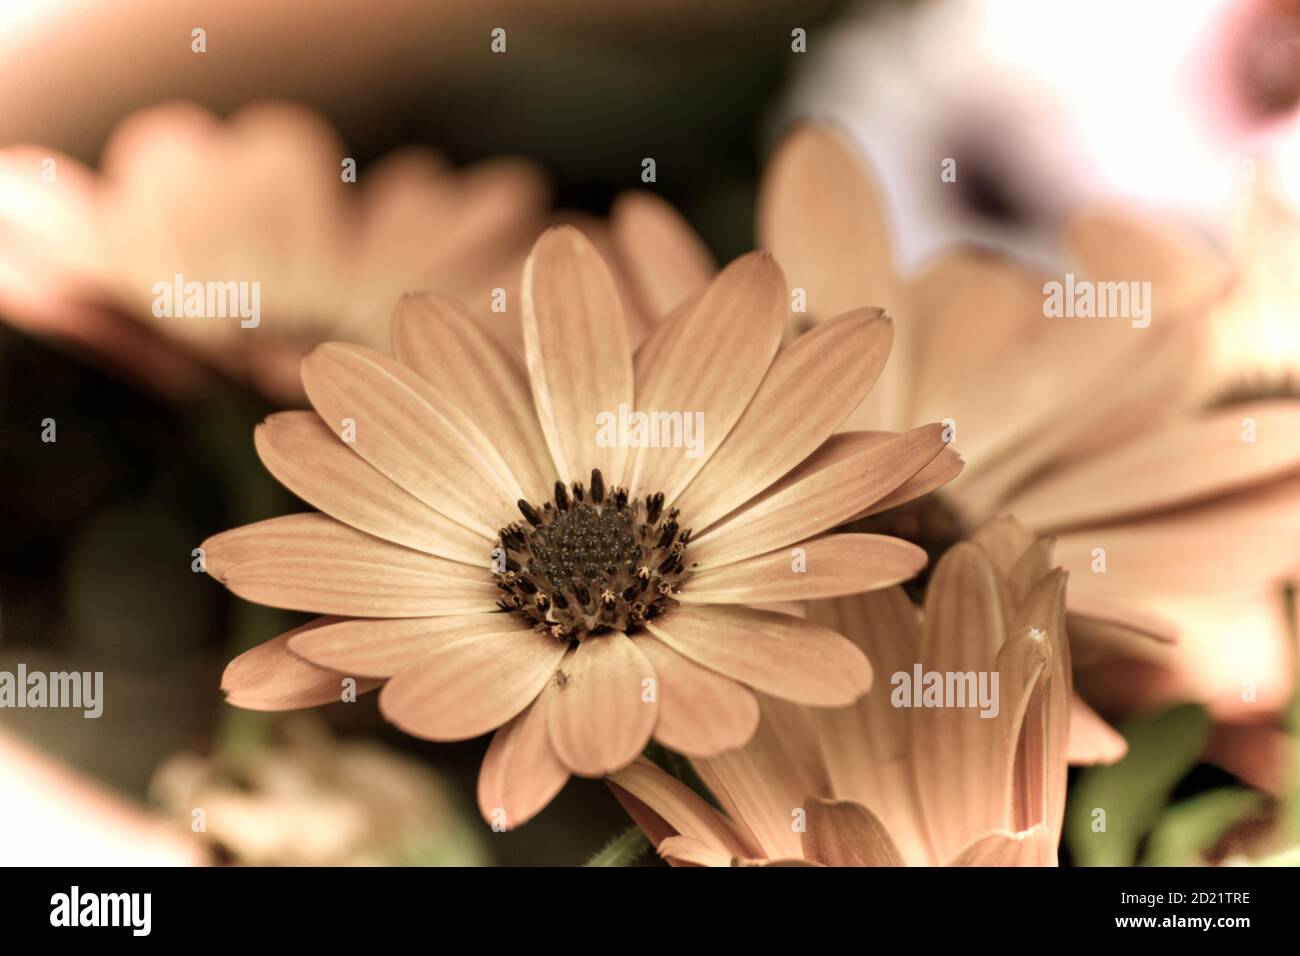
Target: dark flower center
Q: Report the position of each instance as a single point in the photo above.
(590, 562)
(928, 522)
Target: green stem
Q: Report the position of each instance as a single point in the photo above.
(624, 850)
(224, 442)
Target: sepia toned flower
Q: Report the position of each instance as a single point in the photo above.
(310, 799)
(941, 776)
(1172, 520)
(268, 204)
(499, 555)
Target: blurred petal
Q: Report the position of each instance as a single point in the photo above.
(665, 261)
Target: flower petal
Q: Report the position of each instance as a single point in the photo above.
(867, 747)
(679, 807)
(700, 713)
(1092, 740)
(844, 833)
(664, 260)
(1175, 465)
(1112, 245)
(1103, 627)
(1234, 544)
(269, 677)
(308, 562)
(381, 648)
(822, 214)
(829, 566)
(963, 761)
(1033, 847)
(577, 348)
(684, 850)
(466, 687)
(602, 717)
(841, 479)
(778, 654)
(315, 464)
(811, 388)
(942, 469)
(520, 773)
(741, 317)
(405, 428)
(765, 784)
(466, 366)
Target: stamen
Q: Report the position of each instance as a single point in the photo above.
(530, 513)
(607, 545)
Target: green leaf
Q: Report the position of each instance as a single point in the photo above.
(1188, 829)
(1132, 793)
(624, 850)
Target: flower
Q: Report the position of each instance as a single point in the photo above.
(312, 800)
(1026, 131)
(265, 198)
(1169, 518)
(1256, 335)
(501, 560)
(889, 782)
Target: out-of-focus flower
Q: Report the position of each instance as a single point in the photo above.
(480, 619)
(267, 204)
(1173, 525)
(313, 800)
(1257, 326)
(55, 817)
(1020, 97)
(900, 778)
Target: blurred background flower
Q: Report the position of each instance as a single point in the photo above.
(266, 198)
(1167, 105)
(309, 799)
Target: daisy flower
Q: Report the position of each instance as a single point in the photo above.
(265, 198)
(498, 559)
(1083, 428)
(901, 778)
